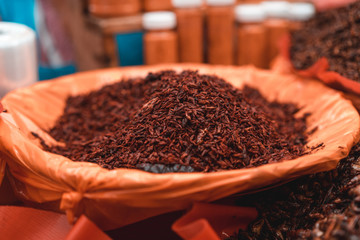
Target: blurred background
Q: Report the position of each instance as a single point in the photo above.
(81, 35)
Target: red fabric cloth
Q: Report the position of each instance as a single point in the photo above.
(33, 224)
(203, 221)
(211, 221)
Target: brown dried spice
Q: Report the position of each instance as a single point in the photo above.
(320, 206)
(172, 122)
(334, 34)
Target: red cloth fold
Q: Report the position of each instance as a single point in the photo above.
(203, 221)
(33, 224)
(211, 221)
(85, 229)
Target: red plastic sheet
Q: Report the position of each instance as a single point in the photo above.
(33, 224)
(203, 221)
(211, 221)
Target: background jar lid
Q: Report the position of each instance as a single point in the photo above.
(301, 11)
(187, 3)
(160, 20)
(220, 2)
(249, 13)
(276, 9)
(18, 56)
(15, 34)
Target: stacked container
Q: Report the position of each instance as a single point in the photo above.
(190, 28)
(220, 31)
(203, 31)
(160, 39)
(277, 25)
(251, 35)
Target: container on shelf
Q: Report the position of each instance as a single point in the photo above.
(190, 28)
(160, 38)
(157, 5)
(220, 31)
(300, 12)
(114, 8)
(18, 58)
(251, 35)
(277, 24)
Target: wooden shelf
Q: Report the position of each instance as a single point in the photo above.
(118, 24)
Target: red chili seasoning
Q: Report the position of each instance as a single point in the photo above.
(169, 122)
